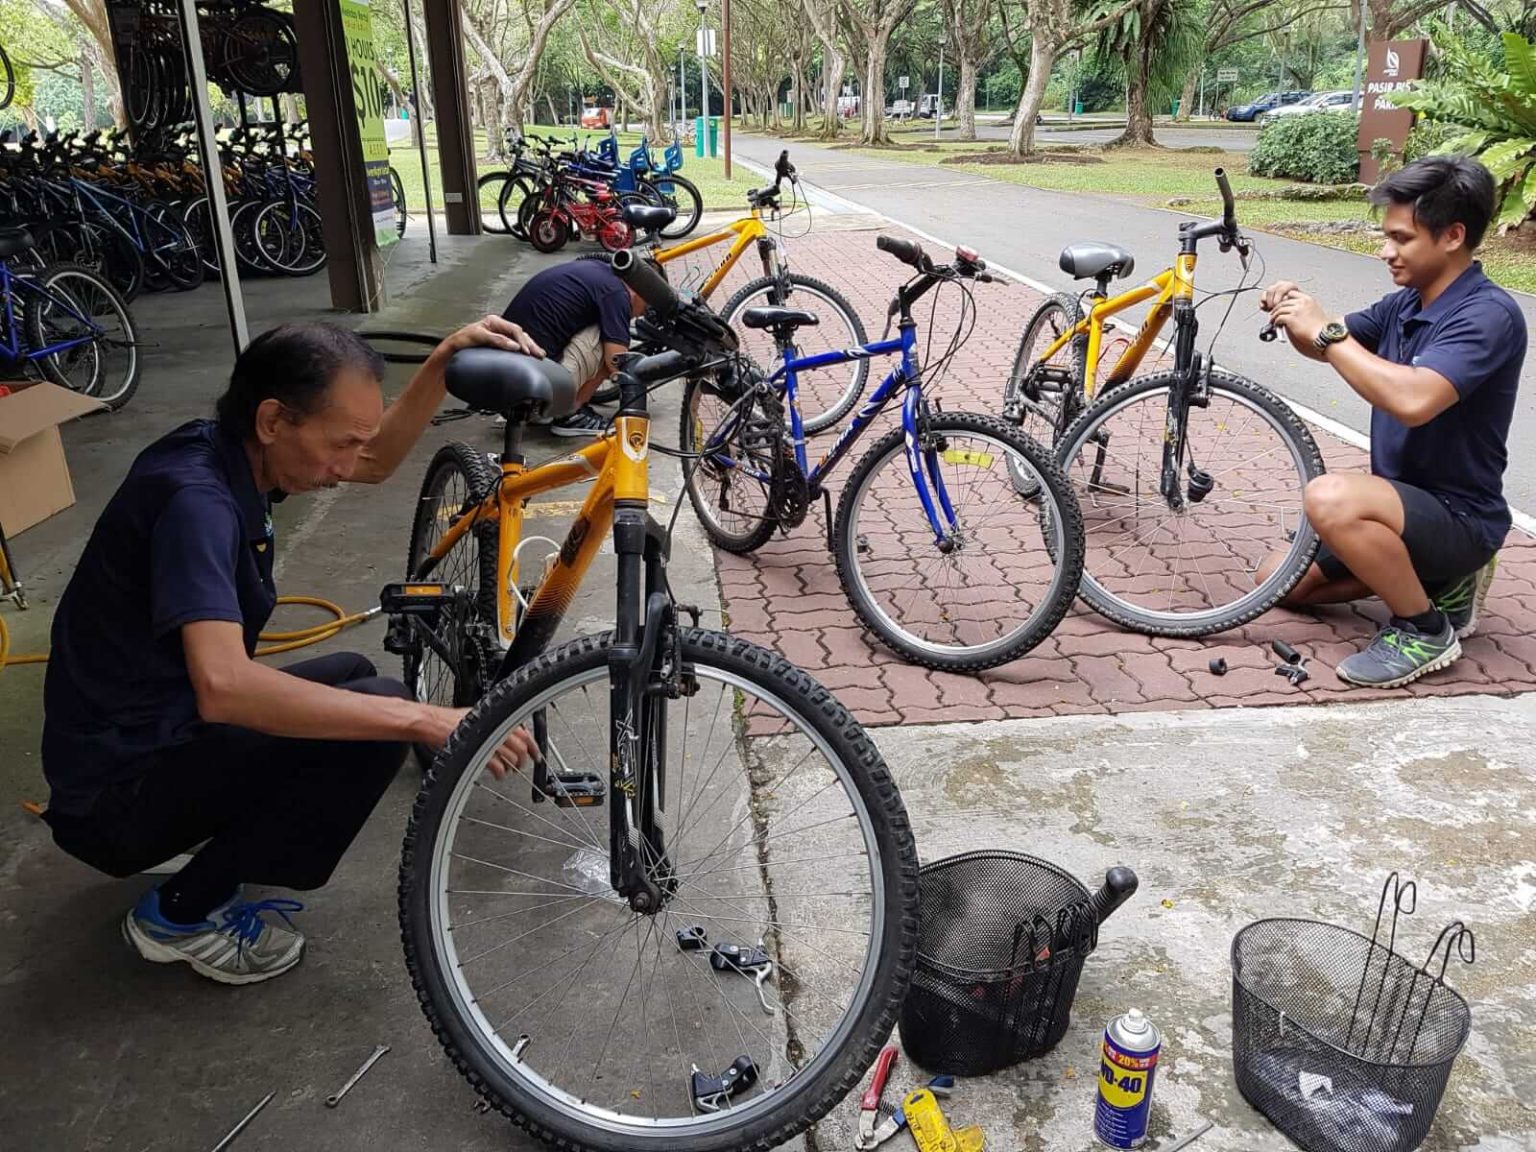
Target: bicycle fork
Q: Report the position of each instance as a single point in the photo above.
(923, 453)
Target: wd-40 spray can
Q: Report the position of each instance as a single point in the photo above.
(1127, 1066)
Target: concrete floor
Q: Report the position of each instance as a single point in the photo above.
(1228, 817)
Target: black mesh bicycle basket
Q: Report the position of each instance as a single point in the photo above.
(1001, 945)
(1344, 1045)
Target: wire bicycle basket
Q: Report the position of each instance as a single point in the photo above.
(1001, 945)
(1341, 1042)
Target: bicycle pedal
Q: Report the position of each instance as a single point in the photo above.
(571, 790)
(714, 1093)
(416, 599)
(742, 958)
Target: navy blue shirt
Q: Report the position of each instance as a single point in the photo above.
(187, 537)
(1474, 336)
(560, 301)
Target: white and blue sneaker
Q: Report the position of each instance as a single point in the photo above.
(235, 945)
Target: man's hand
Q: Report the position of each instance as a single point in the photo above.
(516, 751)
(489, 332)
(1290, 308)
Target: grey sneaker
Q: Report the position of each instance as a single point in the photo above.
(585, 421)
(1399, 655)
(235, 945)
(1463, 601)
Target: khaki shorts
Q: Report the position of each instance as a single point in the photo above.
(583, 355)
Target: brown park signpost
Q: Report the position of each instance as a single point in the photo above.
(1392, 66)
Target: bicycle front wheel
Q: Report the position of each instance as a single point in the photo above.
(685, 198)
(1007, 569)
(1190, 569)
(825, 396)
(585, 1021)
(76, 304)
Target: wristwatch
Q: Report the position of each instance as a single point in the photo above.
(1333, 332)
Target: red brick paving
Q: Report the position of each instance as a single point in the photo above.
(788, 597)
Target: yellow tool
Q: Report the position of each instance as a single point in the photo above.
(932, 1132)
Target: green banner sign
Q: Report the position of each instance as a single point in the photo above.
(368, 96)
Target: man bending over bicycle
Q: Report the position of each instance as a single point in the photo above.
(1439, 362)
(161, 732)
(579, 313)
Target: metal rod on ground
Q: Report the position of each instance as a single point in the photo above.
(213, 174)
(251, 1115)
(725, 74)
(421, 134)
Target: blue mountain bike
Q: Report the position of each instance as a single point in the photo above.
(68, 323)
(936, 550)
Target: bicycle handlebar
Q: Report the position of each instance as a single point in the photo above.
(1228, 208)
(907, 251)
(645, 281)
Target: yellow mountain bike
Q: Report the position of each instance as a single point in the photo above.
(690, 923)
(825, 396)
(1190, 480)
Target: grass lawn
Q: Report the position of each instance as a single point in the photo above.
(1153, 178)
(708, 174)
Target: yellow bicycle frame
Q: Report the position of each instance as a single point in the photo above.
(618, 463)
(1176, 283)
(747, 231)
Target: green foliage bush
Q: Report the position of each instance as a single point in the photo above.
(1426, 136)
(1318, 148)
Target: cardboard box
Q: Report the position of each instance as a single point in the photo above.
(34, 477)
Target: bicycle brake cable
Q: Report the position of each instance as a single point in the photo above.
(1232, 294)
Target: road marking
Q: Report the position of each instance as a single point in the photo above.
(1522, 520)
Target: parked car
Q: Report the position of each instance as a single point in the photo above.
(1320, 102)
(900, 109)
(1251, 111)
(595, 118)
(927, 105)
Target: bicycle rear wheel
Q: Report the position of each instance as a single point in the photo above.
(582, 1020)
(283, 233)
(1043, 396)
(825, 396)
(685, 198)
(77, 304)
(1008, 569)
(731, 484)
(1190, 571)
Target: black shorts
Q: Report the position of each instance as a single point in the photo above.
(1442, 545)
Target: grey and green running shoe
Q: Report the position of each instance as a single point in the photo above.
(1399, 655)
(1463, 601)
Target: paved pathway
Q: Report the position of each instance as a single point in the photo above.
(788, 597)
(1025, 228)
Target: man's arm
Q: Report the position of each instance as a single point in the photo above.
(233, 689)
(406, 419)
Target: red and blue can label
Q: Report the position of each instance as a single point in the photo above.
(1127, 1067)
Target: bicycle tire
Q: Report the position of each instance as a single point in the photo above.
(808, 286)
(297, 256)
(685, 198)
(248, 254)
(689, 438)
(7, 80)
(509, 207)
(397, 197)
(107, 251)
(261, 52)
(549, 1112)
(198, 217)
(490, 218)
(1061, 540)
(182, 265)
(547, 232)
(1088, 428)
(113, 393)
(1057, 313)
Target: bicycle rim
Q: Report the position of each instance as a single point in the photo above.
(1191, 572)
(584, 1019)
(730, 486)
(1008, 569)
(107, 366)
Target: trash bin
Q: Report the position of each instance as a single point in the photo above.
(1078, 110)
(699, 143)
(1175, 112)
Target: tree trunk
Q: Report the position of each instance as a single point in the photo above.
(874, 132)
(797, 122)
(1187, 97)
(87, 91)
(832, 76)
(1042, 56)
(1138, 112)
(965, 99)
(554, 113)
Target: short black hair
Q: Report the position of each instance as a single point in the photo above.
(1443, 190)
(293, 364)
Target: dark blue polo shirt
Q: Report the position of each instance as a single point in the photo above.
(560, 301)
(1474, 336)
(187, 537)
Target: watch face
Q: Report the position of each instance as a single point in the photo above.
(1335, 331)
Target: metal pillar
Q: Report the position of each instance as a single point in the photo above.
(353, 265)
(455, 129)
(213, 172)
(421, 133)
(725, 73)
(1360, 60)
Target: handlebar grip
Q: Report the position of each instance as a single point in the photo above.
(907, 251)
(1228, 208)
(646, 282)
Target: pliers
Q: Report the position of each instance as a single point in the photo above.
(872, 1134)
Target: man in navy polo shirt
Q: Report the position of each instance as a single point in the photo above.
(1439, 361)
(161, 732)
